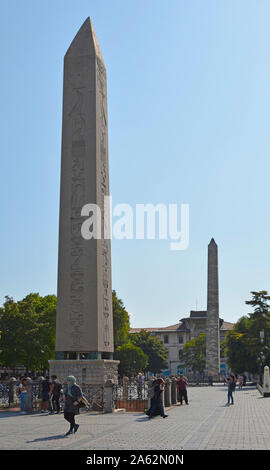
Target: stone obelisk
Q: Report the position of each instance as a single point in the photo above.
(212, 321)
(84, 321)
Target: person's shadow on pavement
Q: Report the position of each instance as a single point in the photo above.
(143, 418)
(49, 438)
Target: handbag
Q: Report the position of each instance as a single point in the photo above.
(83, 403)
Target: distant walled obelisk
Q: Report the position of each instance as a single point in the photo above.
(84, 322)
(212, 321)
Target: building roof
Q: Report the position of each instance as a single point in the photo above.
(198, 313)
(163, 328)
(227, 325)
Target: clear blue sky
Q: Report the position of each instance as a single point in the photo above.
(189, 122)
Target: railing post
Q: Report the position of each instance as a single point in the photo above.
(108, 397)
(173, 391)
(125, 388)
(149, 392)
(12, 391)
(266, 382)
(167, 397)
(28, 407)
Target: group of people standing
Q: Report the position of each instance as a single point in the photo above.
(50, 393)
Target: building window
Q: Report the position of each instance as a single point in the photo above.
(180, 339)
(166, 339)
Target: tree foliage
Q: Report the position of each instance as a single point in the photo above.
(193, 354)
(121, 324)
(132, 359)
(28, 331)
(154, 349)
(245, 349)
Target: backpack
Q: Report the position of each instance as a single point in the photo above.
(233, 386)
(58, 387)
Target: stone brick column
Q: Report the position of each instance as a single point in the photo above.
(109, 404)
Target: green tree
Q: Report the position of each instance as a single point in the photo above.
(28, 331)
(246, 350)
(259, 323)
(238, 351)
(132, 359)
(154, 349)
(193, 354)
(11, 326)
(121, 323)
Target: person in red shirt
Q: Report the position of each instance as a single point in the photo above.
(182, 389)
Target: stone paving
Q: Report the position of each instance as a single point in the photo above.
(206, 423)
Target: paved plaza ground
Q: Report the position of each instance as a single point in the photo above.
(206, 423)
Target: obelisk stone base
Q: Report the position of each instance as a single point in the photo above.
(90, 372)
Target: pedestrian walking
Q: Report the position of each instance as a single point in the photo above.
(55, 393)
(45, 394)
(22, 389)
(182, 384)
(241, 381)
(231, 388)
(151, 393)
(73, 395)
(157, 405)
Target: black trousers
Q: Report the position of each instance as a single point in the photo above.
(183, 395)
(55, 402)
(70, 417)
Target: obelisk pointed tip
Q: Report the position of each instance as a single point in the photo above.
(95, 41)
(85, 42)
(212, 242)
